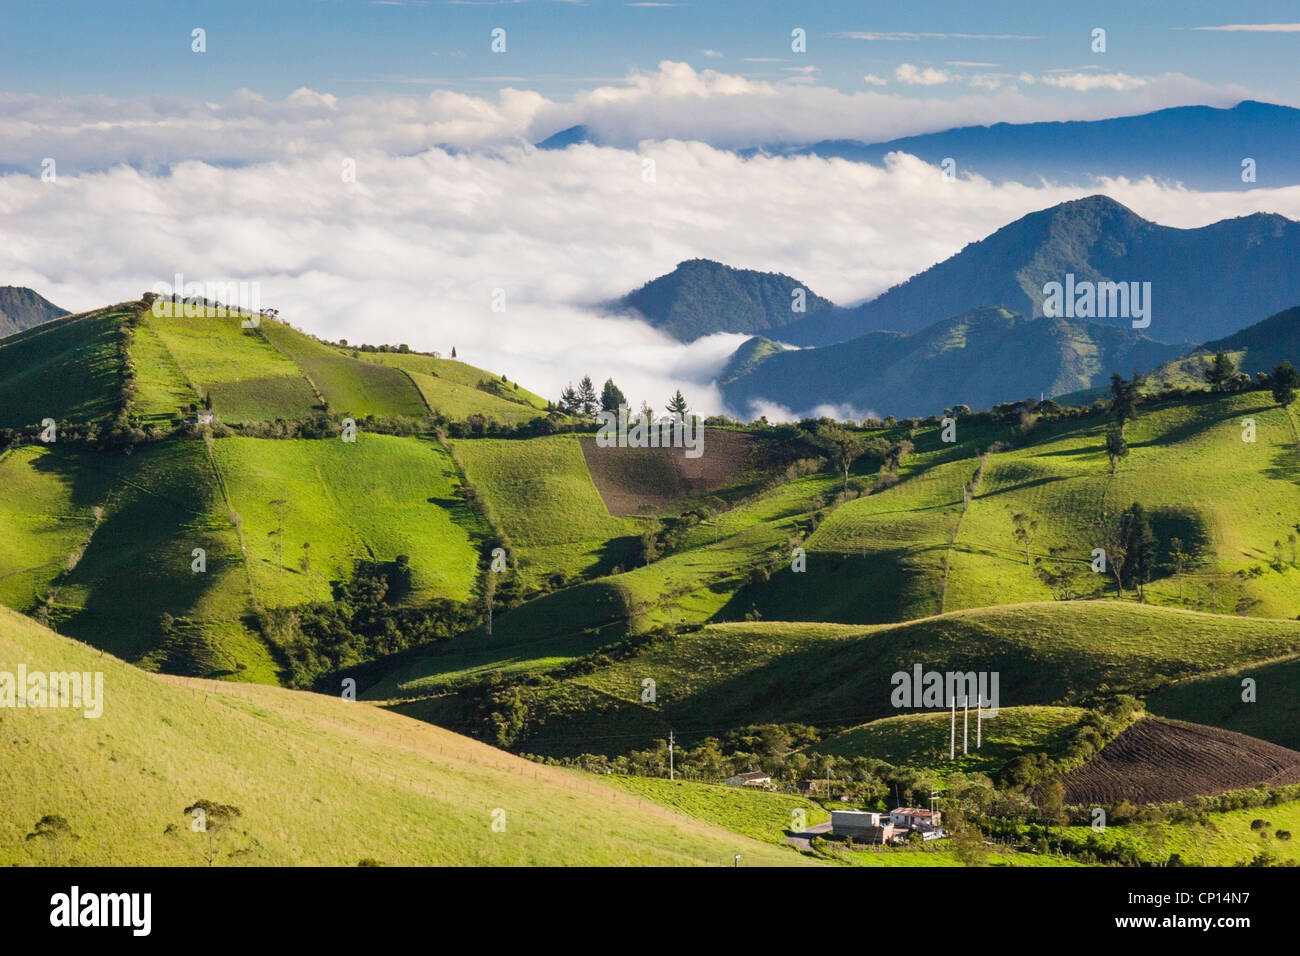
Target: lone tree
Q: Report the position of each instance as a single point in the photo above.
(1116, 447)
(570, 400)
(1114, 542)
(677, 405)
(1285, 382)
(587, 400)
(54, 832)
(1220, 371)
(215, 821)
(611, 397)
(1140, 548)
(1178, 559)
(279, 508)
(1124, 396)
(843, 446)
(1026, 528)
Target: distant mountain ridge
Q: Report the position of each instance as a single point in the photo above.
(1205, 282)
(980, 358)
(1202, 147)
(22, 308)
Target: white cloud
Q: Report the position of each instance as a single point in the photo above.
(871, 79)
(412, 251)
(1255, 28)
(711, 53)
(1083, 82)
(674, 101)
(910, 74)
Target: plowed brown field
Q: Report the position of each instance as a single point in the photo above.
(1161, 761)
(646, 481)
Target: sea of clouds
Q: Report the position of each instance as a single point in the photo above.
(413, 250)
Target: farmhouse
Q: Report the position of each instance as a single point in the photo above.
(754, 778)
(205, 417)
(865, 827)
(910, 818)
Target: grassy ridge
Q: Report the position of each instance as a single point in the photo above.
(319, 781)
(63, 369)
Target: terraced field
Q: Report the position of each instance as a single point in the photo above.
(349, 386)
(458, 390)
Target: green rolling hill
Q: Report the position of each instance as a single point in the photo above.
(318, 781)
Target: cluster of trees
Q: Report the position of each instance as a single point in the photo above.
(365, 621)
(584, 401)
(1222, 375)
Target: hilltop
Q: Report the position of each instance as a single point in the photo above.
(701, 297)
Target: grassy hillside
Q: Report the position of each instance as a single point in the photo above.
(543, 498)
(349, 386)
(318, 781)
(924, 739)
(67, 368)
(248, 379)
(53, 499)
(915, 548)
(138, 565)
(458, 390)
(1216, 699)
(371, 499)
(731, 675)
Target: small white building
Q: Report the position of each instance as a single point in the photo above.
(910, 818)
(754, 778)
(205, 417)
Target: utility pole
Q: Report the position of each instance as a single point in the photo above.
(670, 756)
(952, 730)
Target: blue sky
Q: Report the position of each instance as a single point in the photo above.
(351, 47)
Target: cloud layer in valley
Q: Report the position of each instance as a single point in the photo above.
(413, 250)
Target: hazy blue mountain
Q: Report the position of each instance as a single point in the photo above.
(701, 297)
(21, 308)
(567, 137)
(1199, 146)
(979, 358)
(1205, 283)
